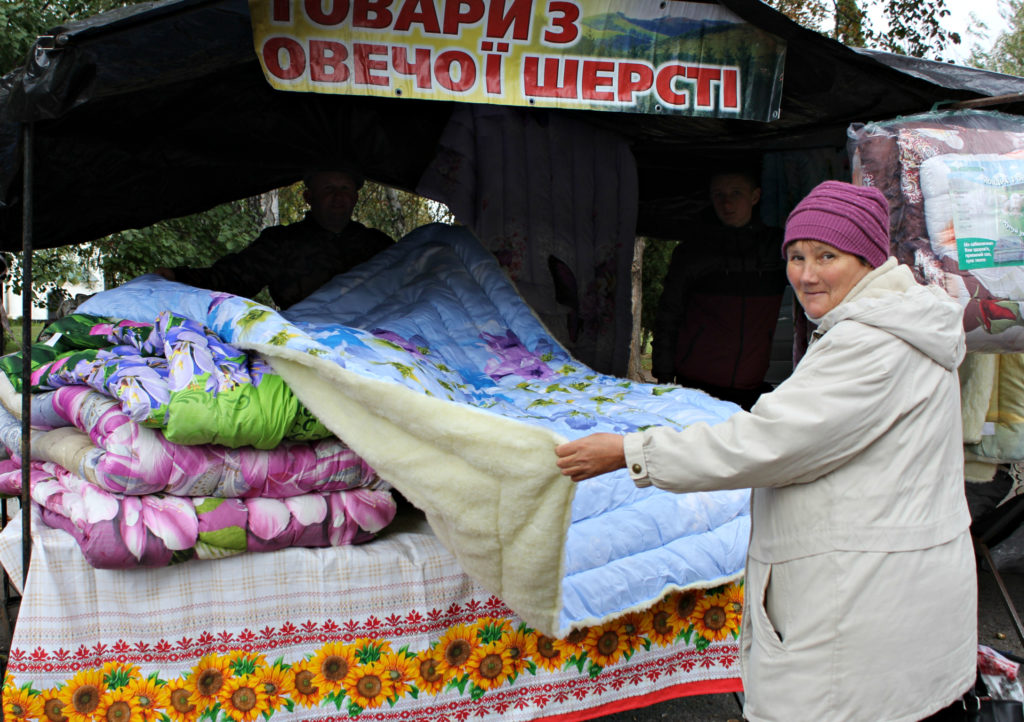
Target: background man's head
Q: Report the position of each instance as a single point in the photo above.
(331, 195)
(734, 194)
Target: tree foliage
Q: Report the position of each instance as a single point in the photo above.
(192, 240)
(1007, 52)
(200, 239)
(397, 212)
(657, 254)
(915, 28)
(25, 20)
(908, 27)
(196, 240)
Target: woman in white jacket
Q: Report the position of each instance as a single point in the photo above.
(861, 599)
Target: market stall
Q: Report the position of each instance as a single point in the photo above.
(161, 110)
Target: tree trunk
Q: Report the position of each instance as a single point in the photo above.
(270, 208)
(395, 203)
(636, 273)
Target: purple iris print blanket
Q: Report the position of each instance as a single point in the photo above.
(173, 374)
(105, 470)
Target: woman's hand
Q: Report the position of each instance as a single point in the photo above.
(591, 456)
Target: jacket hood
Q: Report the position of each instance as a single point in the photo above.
(890, 299)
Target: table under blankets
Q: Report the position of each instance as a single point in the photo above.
(391, 630)
(182, 572)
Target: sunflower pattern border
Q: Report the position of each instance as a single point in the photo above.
(480, 658)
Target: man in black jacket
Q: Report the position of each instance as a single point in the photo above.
(720, 304)
(293, 261)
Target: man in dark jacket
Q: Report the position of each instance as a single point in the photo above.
(720, 304)
(295, 260)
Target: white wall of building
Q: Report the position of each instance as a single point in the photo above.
(12, 301)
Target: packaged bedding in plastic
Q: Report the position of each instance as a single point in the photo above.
(955, 185)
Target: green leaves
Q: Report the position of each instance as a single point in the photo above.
(656, 258)
(490, 632)
(200, 239)
(459, 683)
(197, 240)
(1007, 53)
(23, 22)
(577, 660)
(396, 212)
(909, 27)
(371, 652)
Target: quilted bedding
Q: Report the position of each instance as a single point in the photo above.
(173, 374)
(131, 497)
(430, 367)
(119, 455)
(992, 402)
(117, 531)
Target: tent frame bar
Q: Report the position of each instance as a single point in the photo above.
(28, 137)
(988, 102)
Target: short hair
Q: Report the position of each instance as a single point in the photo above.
(349, 169)
(751, 173)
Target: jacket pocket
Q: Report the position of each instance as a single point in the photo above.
(766, 633)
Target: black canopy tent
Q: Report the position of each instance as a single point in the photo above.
(161, 109)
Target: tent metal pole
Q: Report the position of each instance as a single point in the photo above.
(26, 348)
(988, 102)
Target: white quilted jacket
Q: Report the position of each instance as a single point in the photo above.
(860, 582)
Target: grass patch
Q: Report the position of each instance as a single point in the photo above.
(12, 340)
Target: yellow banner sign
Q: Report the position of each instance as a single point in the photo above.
(647, 56)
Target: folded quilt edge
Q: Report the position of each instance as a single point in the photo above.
(488, 484)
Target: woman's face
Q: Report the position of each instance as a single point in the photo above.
(822, 275)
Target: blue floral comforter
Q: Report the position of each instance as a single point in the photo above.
(428, 364)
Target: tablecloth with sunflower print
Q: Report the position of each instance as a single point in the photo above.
(391, 630)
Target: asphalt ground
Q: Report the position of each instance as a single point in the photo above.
(995, 629)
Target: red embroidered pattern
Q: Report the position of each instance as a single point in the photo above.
(650, 661)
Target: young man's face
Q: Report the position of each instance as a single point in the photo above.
(331, 197)
(734, 197)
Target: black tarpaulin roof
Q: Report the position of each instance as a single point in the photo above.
(161, 109)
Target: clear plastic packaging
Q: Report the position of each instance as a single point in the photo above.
(955, 184)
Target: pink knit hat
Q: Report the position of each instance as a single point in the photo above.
(851, 218)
